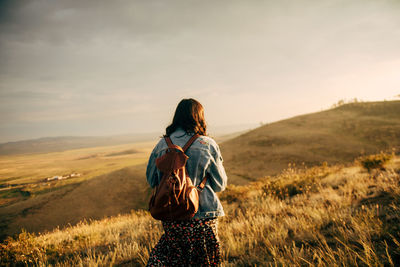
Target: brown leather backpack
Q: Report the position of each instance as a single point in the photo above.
(175, 198)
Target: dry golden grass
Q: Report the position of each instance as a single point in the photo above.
(120, 239)
(323, 216)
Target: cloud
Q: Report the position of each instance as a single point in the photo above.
(75, 61)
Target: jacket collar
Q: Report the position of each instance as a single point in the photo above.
(179, 133)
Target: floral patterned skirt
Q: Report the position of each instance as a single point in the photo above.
(187, 243)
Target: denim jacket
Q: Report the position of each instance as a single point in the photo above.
(204, 158)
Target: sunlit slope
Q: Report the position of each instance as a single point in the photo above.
(106, 195)
(335, 136)
(321, 216)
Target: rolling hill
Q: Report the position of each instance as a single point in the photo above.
(334, 136)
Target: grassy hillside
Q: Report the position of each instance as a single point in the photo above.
(336, 136)
(325, 216)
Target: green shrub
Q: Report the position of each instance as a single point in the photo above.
(377, 161)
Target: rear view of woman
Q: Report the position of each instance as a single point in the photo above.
(192, 242)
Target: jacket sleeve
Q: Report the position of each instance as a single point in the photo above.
(151, 171)
(216, 170)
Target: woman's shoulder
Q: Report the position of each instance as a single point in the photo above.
(161, 144)
(207, 140)
(208, 143)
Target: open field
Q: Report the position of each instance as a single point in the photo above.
(29, 173)
(23, 169)
(111, 180)
(321, 216)
(336, 136)
(106, 195)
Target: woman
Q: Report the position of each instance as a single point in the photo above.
(191, 242)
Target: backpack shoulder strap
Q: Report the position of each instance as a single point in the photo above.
(190, 142)
(169, 142)
(171, 145)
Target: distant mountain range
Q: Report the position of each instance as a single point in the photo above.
(62, 143)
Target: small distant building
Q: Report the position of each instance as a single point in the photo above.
(60, 177)
(57, 177)
(52, 178)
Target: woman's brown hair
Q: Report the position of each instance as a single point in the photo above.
(189, 115)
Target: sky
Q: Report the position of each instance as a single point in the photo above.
(112, 67)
